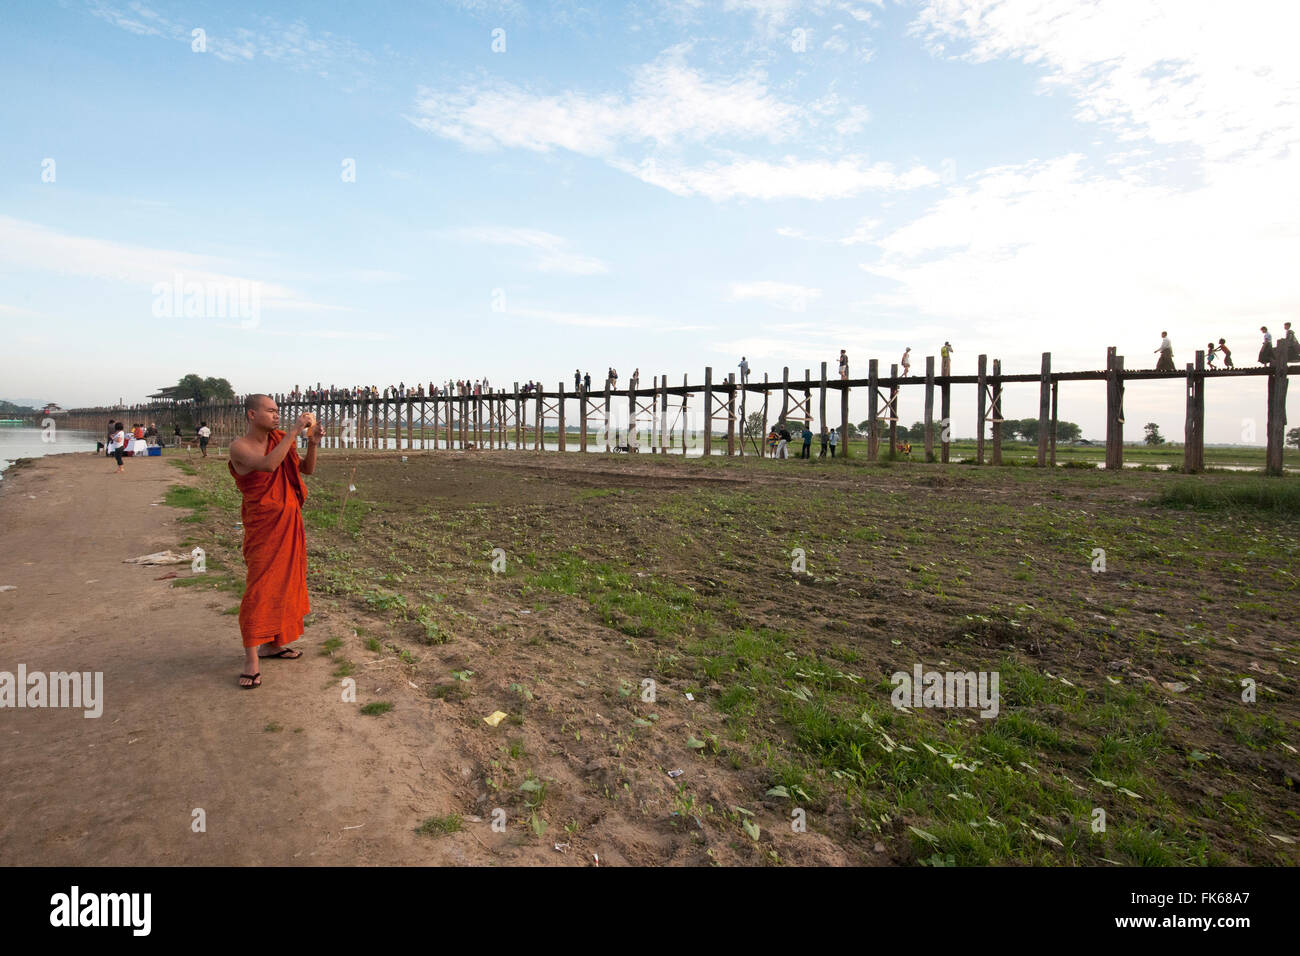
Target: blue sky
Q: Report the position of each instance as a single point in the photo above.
(662, 185)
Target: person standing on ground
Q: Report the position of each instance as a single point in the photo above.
(834, 440)
(806, 434)
(844, 365)
(906, 361)
(117, 441)
(783, 445)
(108, 442)
(772, 439)
(1166, 350)
(744, 370)
(1266, 350)
(824, 440)
(1227, 354)
(265, 465)
(204, 434)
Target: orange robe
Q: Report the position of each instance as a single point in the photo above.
(275, 551)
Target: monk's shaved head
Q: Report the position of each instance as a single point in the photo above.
(253, 403)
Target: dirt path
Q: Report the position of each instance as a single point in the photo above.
(176, 734)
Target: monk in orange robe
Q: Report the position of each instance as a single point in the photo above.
(268, 472)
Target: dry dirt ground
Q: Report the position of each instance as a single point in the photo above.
(619, 570)
(177, 734)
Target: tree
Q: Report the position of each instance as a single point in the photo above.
(916, 432)
(1067, 431)
(1008, 428)
(1028, 428)
(1293, 437)
(195, 388)
(218, 389)
(753, 426)
(1153, 436)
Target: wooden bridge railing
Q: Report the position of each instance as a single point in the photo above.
(488, 420)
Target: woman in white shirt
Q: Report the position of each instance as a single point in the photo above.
(119, 441)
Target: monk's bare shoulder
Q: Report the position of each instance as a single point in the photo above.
(243, 450)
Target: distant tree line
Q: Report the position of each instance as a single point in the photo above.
(1013, 429)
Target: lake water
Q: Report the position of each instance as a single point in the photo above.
(25, 441)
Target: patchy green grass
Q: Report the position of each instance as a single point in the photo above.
(439, 826)
(1279, 495)
(948, 566)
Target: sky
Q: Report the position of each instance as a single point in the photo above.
(396, 191)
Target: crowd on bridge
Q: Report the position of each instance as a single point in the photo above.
(1288, 346)
(582, 381)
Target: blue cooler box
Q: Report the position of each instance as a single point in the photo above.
(155, 451)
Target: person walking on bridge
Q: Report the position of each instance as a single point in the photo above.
(1266, 350)
(1227, 353)
(1166, 350)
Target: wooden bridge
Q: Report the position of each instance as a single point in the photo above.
(518, 420)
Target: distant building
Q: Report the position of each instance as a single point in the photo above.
(53, 409)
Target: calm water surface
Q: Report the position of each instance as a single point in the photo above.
(25, 441)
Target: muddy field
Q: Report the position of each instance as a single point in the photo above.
(739, 621)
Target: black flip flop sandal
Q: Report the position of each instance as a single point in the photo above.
(255, 678)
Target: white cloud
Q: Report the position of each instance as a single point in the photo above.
(1223, 79)
(140, 20)
(668, 104)
(331, 334)
(20, 312)
(783, 295)
(604, 320)
(294, 44)
(791, 178)
(836, 44)
(1116, 255)
(1049, 245)
(552, 252)
(375, 276)
(864, 231)
(31, 246)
